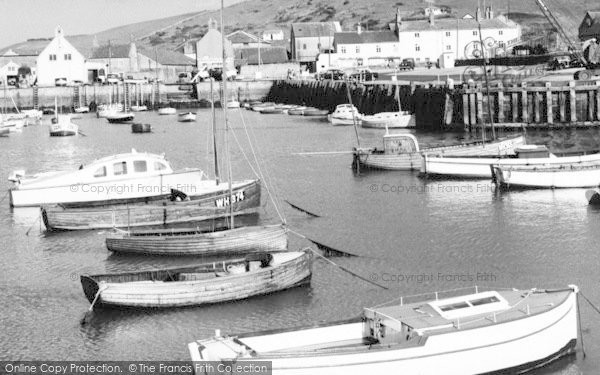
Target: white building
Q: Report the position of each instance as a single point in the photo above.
(209, 49)
(362, 48)
(434, 40)
(9, 71)
(60, 60)
(273, 34)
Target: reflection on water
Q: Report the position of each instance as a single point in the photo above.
(462, 232)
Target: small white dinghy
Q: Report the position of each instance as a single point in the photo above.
(504, 331)
(138, 108)
(167, 111)
(186, 117)
(345, 114)
(389, 120)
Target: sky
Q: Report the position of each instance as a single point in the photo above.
(24, 19)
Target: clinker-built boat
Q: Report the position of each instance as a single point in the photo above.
(568, 175)
(491, 332)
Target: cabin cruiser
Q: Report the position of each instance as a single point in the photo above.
(345, 114)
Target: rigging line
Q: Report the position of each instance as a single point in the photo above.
(590, 302)
(268, 181)
(244, 154)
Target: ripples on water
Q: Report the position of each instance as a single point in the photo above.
(455, 229)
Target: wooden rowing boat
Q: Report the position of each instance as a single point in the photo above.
(201, 284)
(569, 175)
(245, 198)
(191, 241)
(487, 332)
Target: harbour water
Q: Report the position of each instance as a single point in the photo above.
(412, 236)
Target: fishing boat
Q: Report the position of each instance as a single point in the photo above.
(401, 151)
(593, 196)
(4, 132)
(271, 111)
(62, 126)
(389, 120)
(567, 175)
(186, 117)
(345, 114)
(484, 332)
(222, 241)
(165, 111)
(105, 110)
(208, 201)
(315, 112)
(479, 166)
(231, 280)
(120, 117)
(82, 109)
(141, 128)
(121, 178)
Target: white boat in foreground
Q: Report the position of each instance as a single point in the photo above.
(63, 126)
(401, 151)
(505, 331)
(389, 120)
(186, 117)
(345, 114)
(119, 178)
(569, 175)
(479, 167)
(167, 111)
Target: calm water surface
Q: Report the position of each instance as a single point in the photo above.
(446, 234)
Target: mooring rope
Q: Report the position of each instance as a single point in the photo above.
(579, 325)
(590, 302)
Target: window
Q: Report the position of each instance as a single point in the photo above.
(304, 46)
(500, 32)
(454, 306)
(417, 47)
(475, 33)
(448, 33)
(343, 49)
(378, 49)
(67, 56)
(357, 49)
(52, 57)
(483, 301)
(448, 47)
(100, 172)
(417, 35)
(120, 168)
(140, 166)
(159, 166)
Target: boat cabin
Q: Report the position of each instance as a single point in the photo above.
(532, 151)
(400, 144)
(404, 323)
(345, 108)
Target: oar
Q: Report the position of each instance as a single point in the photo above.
(329, 249)
(348, 271)
(301, 209)
(90, 310)
(81, 133)
(324, 153)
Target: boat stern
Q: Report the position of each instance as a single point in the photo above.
(90, 287)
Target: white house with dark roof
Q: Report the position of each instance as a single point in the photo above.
(60, 59)
(209, 49)
(366, 48)
(308, 39)
(590, 26)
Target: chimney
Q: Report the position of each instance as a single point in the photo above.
(478, 14)
(359, 29)
(398, 18)
(491, 13)
(431, 19)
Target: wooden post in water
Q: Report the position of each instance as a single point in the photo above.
(549, 113)
(562, 106)
(572, 101)
(537, 107)
(524, 109)
(500, 98)
(465, 102)
(598, 100)
(515, 104)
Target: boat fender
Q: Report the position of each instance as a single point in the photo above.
(178, 196)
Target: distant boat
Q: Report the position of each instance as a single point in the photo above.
(105, 110)
(402, 152)
(138, 108)
(141, 128)
(201, 284)
(566, 175)
(62, 126)
(191, 241)
(232, 104)
(479, 166)
(389, 120)
(13, 125)
(82, 109)
(119, 118)
(314, 112)
(345, 114)
(507, 331)
(187, 117)
(271, 110)
(4, 131)
(297, 111)
(167, 111)
(33, 113)
(81, 186)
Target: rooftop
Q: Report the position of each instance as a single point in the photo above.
(118, 51)
(365, 37)
(457, 24)
(315, 29)
(166, 57)
(268, 55)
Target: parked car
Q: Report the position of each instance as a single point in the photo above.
(564, 62)
(407, 64)
(113, 78)
(362, 75)
(60, 82)
(335, 74)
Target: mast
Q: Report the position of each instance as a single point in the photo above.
(224, 106)
(487, 89)
(214, 130)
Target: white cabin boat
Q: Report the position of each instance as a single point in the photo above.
(165, 111)
(82, 109)
(63, 126)
(479, 167)
(385, 120)
(401, 151)
(345, 114)
(105, 110)
(121, 178)
(232, 104)
(138, 108)
(566, 175)
(186, 117)
(505, 331)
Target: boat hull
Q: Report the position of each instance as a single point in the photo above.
(111, 192)
(119, 118)
(593, 197)
(148, 290)
(211, 205)
(244, 240)
(400, 121)
(558, 176)
(414, 160)
(529, 341)
(141, 128)
(480, 167)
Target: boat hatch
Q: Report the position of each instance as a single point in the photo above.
(386, 327)
(532, 151)
(474, 304)
(400, 143)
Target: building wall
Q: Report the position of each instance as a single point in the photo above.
(270, 71)
(307, 48)
(273, 35)
(61, 67)
(117, 65)
(428, 45)
(368, 53)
